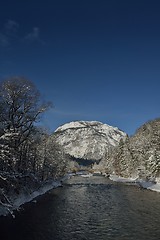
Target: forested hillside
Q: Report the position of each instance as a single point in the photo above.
(138, 155)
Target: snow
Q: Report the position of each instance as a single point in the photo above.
(24, 198)
(87, 175)
(82, 124)
(87, 139)
(150, 185)
(154, 186)
(70, 125)
(116, 178)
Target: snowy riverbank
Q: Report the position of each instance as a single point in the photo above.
(15, 201)
(150, 185)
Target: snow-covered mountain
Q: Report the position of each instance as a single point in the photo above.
(87, 139)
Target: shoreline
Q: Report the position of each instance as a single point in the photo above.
(16, 202)
(149, 185)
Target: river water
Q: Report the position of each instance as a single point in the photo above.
(87, 209)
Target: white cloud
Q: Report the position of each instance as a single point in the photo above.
(10, 34)
(11, 27)
(4, 41)
(34, 36)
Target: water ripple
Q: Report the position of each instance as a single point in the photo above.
(88, 209)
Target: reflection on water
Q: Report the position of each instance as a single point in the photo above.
(88, 208)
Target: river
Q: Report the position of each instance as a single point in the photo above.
(87, 209)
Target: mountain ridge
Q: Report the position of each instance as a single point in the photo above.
(87, 139)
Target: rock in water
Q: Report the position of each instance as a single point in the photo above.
(87, 139)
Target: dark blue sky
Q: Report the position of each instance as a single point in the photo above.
(94, 59)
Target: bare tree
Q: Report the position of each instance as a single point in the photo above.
(20, 108)
(52, 157)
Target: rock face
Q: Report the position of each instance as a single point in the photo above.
(137, 156)
(88, 139)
